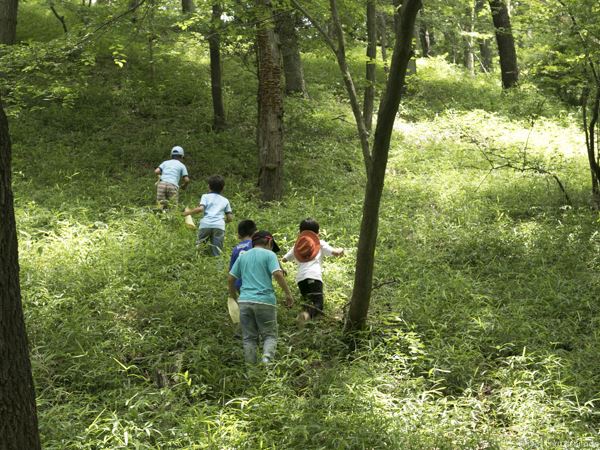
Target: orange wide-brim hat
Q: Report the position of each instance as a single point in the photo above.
(307, 246)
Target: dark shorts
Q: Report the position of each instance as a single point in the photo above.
(312, 294)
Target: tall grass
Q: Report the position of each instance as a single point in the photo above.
(483, 327)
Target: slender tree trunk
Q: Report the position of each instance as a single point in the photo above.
(589, 125)
(424, 37)
(8, 21)
(382, 31)
(369, 98)
(18, 417)
(425, 41)
(365, 258)
(506, 43)
(485, 53)
(188, 6)
(216, 85)
(468, 40)
(270, 106)
(285, 21)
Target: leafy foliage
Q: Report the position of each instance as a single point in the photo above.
(484, 319)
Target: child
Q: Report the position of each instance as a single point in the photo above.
(169, 173)
(258, 313)
(246, 228)
(308, 252)
(217, 211)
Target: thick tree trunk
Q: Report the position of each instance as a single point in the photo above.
(506, 43)
(365, 258)
(8, 21)
(18, 417)
(369, 98)
(216, 85)
(285, 21)
(187, 6)
(270, 106)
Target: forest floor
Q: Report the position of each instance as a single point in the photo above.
(483, 330)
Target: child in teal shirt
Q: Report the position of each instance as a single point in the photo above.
(257, 301)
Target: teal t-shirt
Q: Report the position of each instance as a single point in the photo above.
(256, 268)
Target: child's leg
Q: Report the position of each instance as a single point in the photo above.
(217, 238)
(203, 235)
(312, 293)
(249, 332)
(161, 194)
(266, 319)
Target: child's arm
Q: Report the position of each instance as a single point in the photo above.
(228, 217)
(233, 293)
(289, 300)
(186, 181)
(337, 252)
(196, 210)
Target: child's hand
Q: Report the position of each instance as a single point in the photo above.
(289, 301)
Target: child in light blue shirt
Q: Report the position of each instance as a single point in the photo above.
(217, 211)
(169, 173)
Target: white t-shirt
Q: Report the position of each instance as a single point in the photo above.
(310, 269)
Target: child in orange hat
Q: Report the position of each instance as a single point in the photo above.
(309, 251)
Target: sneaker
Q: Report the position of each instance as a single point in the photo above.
(302, 318)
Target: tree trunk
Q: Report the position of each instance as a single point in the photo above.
(589, 125)
(506, 43)
(18, 417)
(216, 85)
(425, 41)
(468, 40)
(188, 6)
(285, 22)
(369, 98)
(8, 21)
(365, 258)
(424, 37)
(382, 31)
(485, 53)
(270, 106)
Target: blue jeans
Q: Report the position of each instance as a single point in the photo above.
(214, 237)
(258, 320)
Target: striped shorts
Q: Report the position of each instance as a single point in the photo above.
(167, 193)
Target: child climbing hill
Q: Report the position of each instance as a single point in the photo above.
(170, 172)
(309, 251)
(217, 211)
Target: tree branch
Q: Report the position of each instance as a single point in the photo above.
(316, 24)
(59, 17)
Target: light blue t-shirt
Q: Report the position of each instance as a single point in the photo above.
(172, 171)
(215, 208)
(256, 267)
